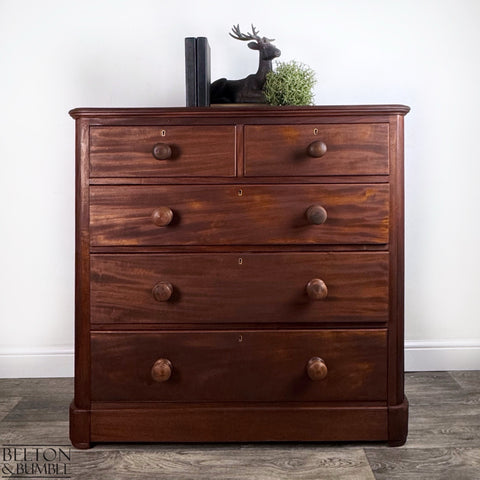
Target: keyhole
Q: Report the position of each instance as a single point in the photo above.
(315, 131)
(163, 133)
(240, 261)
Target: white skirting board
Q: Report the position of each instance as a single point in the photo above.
(38, 363)
(440, 355)
(420, 355)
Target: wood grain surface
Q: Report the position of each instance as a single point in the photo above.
(240, 366)
(236, 215)
(280, 150)
(245, 288)
(127, 151)
(254, 114)
(237, 423)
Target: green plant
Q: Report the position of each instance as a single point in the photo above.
(291, 83)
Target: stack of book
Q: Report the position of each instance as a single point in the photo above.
(197, 72)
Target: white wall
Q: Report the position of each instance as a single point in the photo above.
(60, 54)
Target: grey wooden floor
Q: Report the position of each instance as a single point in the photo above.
(443, 442)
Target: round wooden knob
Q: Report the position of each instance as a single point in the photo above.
(162, 291)
(162, 216)
(316, 369)
(317, 149)
(316, 289)
(316, 214)
(162, 370)
(162, 151)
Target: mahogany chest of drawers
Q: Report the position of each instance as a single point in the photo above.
(239, 275)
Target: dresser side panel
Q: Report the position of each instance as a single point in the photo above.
(396, 324)
(82, 268)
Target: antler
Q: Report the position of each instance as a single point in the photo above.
(244, 37)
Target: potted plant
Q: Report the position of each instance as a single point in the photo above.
(291, 83)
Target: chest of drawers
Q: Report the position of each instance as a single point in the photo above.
(239, 275)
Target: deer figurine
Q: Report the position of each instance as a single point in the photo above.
(248, 89)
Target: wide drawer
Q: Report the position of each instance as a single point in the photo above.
(173, 289)
(309, 150)
(129, 151)
(238, 215)
(211, 366)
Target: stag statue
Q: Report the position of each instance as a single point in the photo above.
(249, 89)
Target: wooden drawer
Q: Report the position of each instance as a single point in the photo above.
(128, 151)
(282, 150)
(238, 288)
(238, 215)
(235, 366)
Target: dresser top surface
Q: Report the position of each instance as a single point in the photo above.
(242, 111)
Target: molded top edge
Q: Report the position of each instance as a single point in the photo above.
(241, 111)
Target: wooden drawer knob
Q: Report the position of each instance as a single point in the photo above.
(316, 369)
(162, 216)
(316, 214)
(317, 149)
(162, 151)
(317, 289)
(162, 291)
(162, 370)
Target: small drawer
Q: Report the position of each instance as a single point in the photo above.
(170, 151)
(236, 366)
(239, 215)
(294, 288)
(310, 150)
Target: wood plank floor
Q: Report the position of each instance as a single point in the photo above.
(443, 441)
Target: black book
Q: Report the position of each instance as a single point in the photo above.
(203, 72)
(191, 71)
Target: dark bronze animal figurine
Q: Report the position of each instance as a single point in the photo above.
(249, 89)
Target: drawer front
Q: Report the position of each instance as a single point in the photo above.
(283, 150)
(237, 366)
(238, 215)
(128, 151)
(239, 288)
